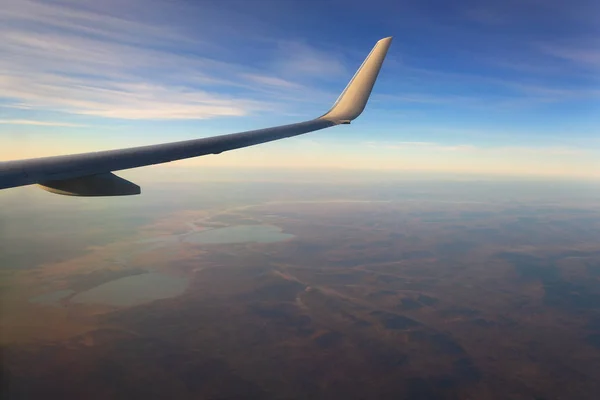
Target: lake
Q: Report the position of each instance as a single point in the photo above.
(52, 298)
(134, 290)
(238, 234)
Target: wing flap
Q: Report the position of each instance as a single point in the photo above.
(107, 184)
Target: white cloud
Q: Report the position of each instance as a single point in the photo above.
(127, 100)
(472, 149)
(297, 58)
(39, 123)
(514, 93)
(58, 57)
(427, 146)
(271, 81)
(86, 17)
(583, 56)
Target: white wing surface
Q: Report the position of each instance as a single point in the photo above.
(90, 174)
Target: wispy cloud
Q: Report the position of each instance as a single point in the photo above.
(99, 20)
(297, 58)
(485, 16)
(470, 148)
(78, 58)
(271, 81)
(62, 58)
(128, 99)
(582, 56)
(428, 146)
(480, 90)
(423, 98)
(40, 123)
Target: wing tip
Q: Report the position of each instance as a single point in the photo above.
(353, 99)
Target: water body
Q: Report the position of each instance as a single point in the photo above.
(134, 290)
(238, 234)
(52, 298)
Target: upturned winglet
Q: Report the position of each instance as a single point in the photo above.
(353, 99)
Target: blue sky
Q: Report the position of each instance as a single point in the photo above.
(493, 87)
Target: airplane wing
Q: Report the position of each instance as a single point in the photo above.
(90, 174)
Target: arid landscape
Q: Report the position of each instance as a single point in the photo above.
(298, 292)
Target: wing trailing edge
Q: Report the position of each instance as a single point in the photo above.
(90, 174)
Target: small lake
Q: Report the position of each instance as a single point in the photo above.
(52, 298)
(238, 234)
(134, 290)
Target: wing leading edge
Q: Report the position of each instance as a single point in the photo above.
(90, 174)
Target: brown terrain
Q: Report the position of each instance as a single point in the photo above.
(404, 299)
